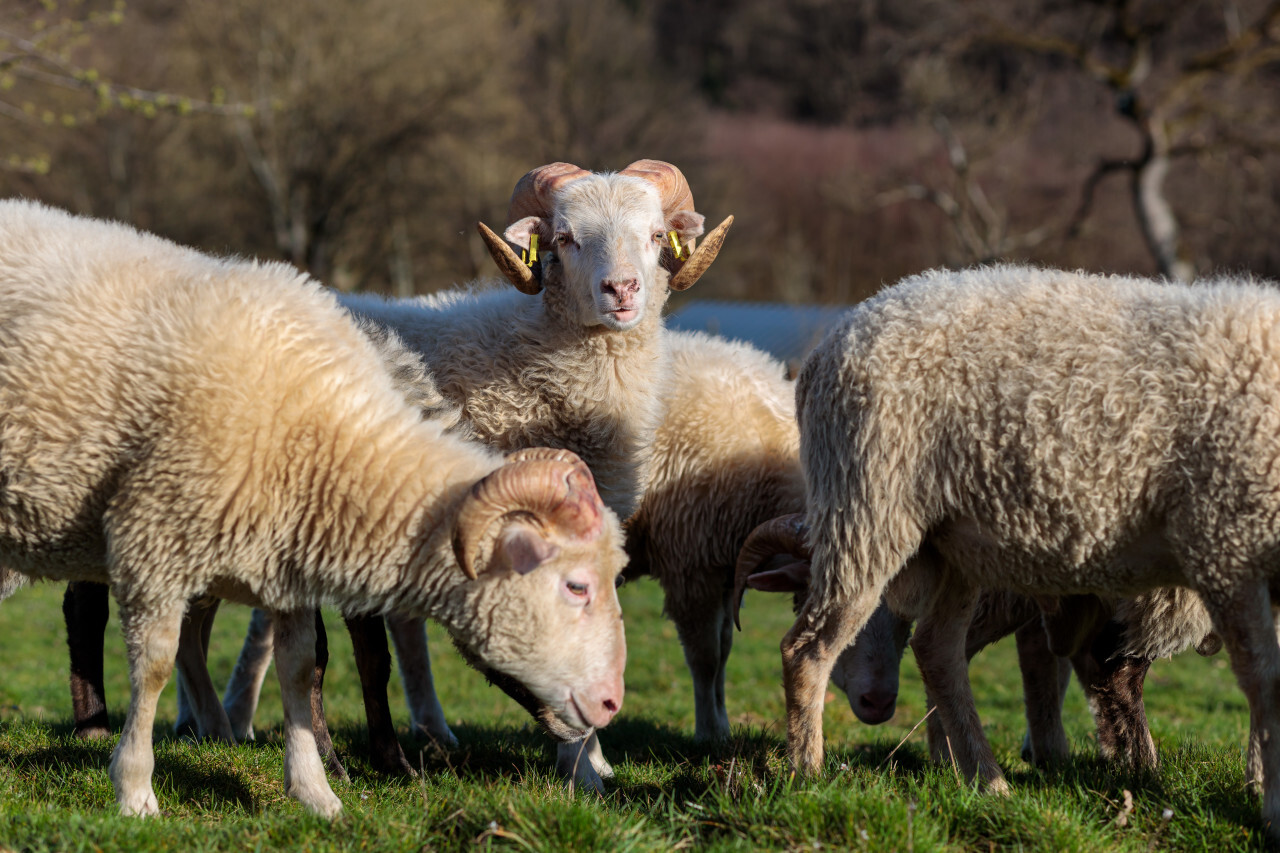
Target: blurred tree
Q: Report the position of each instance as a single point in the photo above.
(348, 94)
(1190, 78)
(48, 77)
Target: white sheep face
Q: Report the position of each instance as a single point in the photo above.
(552, 622)
(601, 248)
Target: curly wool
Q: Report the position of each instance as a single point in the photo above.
(1042, 427)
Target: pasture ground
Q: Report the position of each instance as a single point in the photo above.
(497, 791)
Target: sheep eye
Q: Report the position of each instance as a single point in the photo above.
(659, 236)
(579, 589)
(563, 239)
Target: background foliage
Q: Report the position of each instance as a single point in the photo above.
(855, 141)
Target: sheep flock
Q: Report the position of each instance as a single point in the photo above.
(1090, 463)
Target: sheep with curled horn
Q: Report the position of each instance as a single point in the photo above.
(179, 426)
(574, 357)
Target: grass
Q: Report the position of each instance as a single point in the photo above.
(497, 791)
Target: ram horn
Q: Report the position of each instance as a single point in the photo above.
(557, 489)
(786, 534)
(521, 275)
(672, 187)
(533, 196)
(701, 258)
(535, 192)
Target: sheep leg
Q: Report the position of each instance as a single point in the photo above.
(200, 714)
(939, 646)
(1044, 684)
(701, 626)
(85, 610)
(319, 723)
(296, 641)
(240, 700)
(1113, 686)
(425, 714)
(809, 651)
(151, 639)
(373, 662)
(583, 764)
(1243, 619)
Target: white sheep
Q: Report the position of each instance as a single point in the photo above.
(177, 426)
(575, 359)
(1048, 432)
(724, 460)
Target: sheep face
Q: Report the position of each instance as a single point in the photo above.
(543, 620)
(561, 650)
(776, 558)
(867, 671)
(602, 243)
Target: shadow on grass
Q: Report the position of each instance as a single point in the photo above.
(185, 771)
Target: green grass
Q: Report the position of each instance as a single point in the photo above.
(497, 790)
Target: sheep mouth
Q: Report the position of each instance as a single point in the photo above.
(551, 721)
(621, 319)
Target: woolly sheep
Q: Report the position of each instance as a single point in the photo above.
(1048, 432)
(583, 366)
(725, 459)
(177, 426)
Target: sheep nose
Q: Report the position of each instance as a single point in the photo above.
(604, 703)
(619, 289)
(875, 706)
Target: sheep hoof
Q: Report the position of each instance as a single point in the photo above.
(140, 804)
(997, 787)
(441, 737)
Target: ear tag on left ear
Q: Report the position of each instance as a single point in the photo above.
(675, 245)
(530, 255)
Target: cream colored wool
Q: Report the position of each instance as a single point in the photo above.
(550, 370)
(555, 369)
(1050, 433)
(725, 459)
(178, 426)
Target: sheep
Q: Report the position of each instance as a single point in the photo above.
(1110, 645)
(1048, 432)
(726, 458)
(582, 366)
(177, 426)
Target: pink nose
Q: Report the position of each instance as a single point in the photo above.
(620, 289)
(601, 704)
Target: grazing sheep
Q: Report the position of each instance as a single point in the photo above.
(575, 359)
(724, 460)
(1051, 433)
(179, 426)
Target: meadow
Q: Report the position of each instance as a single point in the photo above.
(497, 791)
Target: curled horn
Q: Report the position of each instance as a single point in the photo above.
(676, 195)
(554, 486)
(515, 270)
(786, 534)
(533, 196)
(673, 189)
(701, 258)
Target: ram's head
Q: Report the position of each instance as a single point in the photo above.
(604, 248)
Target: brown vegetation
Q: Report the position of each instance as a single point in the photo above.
(855, 142)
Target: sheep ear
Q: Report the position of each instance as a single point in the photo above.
(521, 549)
(521, 230)
(687, 224)
(793, 577)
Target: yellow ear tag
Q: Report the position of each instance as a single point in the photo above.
(530, 255)
(675, 245)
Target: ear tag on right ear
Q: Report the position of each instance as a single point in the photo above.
(675, 245)
(530, 255)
